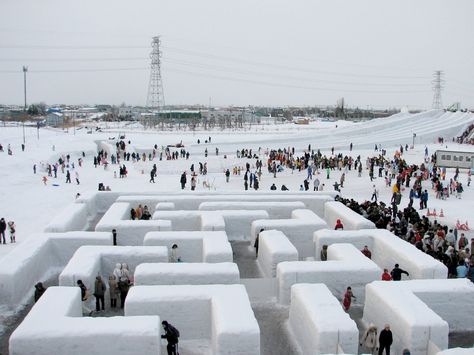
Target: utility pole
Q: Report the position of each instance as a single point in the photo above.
(438, 85)
(25, 70)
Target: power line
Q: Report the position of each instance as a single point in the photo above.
(292, 68)
(260, 73)
(290, 85)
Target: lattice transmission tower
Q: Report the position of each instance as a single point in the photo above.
(438, 85)
(155, 99)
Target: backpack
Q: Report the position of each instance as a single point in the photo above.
(173, 331)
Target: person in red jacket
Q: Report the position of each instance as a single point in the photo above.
(386, 275)
(338, 225)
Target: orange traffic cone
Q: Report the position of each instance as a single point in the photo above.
(434, 212)
(441, 214)
(428, 212)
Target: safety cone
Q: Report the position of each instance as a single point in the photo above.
(428, 212)
(434, 212)
(441, 214)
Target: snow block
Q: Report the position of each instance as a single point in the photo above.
(346, 266)
(318, 322)
(231, 221)
(220, 313)
(351, 220)
(387, 250)
(164, 206)
(190, 201)
(420, 312)
(299, 229)
(129, 232)
(194, 246)
(55, 326)
(186, 274)
(40, 257)
(90, 261)
(274, 248)
(275, 210)
(73, 218)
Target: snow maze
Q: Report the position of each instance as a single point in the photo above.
(208, 295)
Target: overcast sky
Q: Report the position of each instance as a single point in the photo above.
(244, 52)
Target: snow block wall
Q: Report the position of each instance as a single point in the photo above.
(274, 248)
(346, 266)
(55, 326)
(220, 313)
(39, 258)
(186, 274)
(275, 210)
(73, 218)
(299, 229)
(351, 220)
(236, 223)
(186, 201)
(420, 312)
(129, 232)
(90, 261)
(318, 322)
(194, 247)
(387, 250)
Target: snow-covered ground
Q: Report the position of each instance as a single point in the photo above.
(31, 204)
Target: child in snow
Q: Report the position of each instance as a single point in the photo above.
(12, 227)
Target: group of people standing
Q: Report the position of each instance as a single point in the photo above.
(118, 284)
(11, 230)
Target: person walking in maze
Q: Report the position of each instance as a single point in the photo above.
(3, 227)
(172, 336)
(255, 244)
(397, 273)
(385, 340)
(348, 296)
(369, 339)
(99, 292)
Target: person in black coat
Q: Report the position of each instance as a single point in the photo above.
(3, 227)
(182, 180)
(171, 335)
(39, 290)
(397, 273)
(385, 340)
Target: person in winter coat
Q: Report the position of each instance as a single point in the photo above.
(324, 253)
(339, 225)
(12, 230)
(369, 339)
(348, 296)
(385, 340)
(3, 227)
(113, 290)
(182, 180)
(171, 335)
(386, 275)
(367, 252)
(397, 273)
(123, 283)
(99, 292)
(84, 298)
(255, 244)
(39, 290)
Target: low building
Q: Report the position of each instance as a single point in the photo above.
(54, 119)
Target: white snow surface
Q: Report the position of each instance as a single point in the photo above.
(36, 207)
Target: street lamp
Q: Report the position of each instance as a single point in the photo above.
(25, 69)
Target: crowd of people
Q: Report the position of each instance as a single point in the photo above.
(448, 245)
